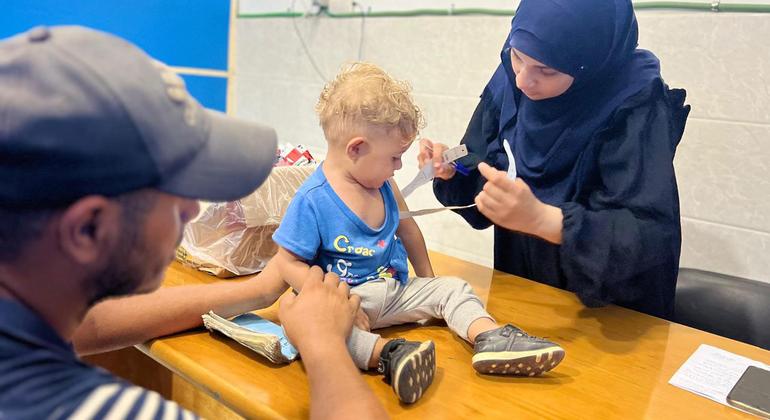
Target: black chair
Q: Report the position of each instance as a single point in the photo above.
(732, 307)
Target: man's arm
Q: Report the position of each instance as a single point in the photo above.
(318, 321)
(123, 322)
(411, 236)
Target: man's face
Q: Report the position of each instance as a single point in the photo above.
(151, 231)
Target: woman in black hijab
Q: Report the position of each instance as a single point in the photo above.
(592, 129)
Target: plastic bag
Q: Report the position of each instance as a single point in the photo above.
(235, 238)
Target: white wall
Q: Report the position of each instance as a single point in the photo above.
(722, 59)
(341, 6)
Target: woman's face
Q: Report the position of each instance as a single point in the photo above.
(536, 80)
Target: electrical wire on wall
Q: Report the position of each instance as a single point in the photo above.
(364, 14)
(363, 22)
(304, 45)
(713, 6)
(308, 13)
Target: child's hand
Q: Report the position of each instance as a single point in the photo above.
(321, 313)
(433, 153)
(362, 320)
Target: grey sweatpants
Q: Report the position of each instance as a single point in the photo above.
(387, 302)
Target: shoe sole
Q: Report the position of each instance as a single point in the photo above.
(415, 373)
(521, 363)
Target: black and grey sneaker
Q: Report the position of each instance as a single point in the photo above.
(510, 351)
(409, 367)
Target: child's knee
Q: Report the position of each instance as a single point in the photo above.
(455, 284)
(458, 282)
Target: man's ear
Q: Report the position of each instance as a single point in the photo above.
(89, 228)
(356, 148)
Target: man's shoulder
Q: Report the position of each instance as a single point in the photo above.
(124, 401)
(47, 386)
(88, 400)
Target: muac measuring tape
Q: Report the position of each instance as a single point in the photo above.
(450, 156)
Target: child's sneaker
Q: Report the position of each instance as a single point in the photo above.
(510, 351)
(409, 367)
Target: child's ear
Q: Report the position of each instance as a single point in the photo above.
(356, 148)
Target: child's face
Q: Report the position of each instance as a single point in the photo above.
(379, 156)
(536, 80)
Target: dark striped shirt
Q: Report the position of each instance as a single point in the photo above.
(41, 377)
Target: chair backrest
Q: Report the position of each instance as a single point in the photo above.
(729, 306)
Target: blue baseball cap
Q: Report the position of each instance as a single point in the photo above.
(83, 113)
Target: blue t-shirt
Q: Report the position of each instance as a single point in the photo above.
(42, 378)
(321, 229)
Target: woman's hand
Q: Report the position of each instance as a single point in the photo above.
(511, 204)
(433, 153)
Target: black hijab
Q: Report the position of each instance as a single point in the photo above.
(593, 41)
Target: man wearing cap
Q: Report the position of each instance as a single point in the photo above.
(103, 156)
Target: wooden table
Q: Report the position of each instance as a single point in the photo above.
(618, 361)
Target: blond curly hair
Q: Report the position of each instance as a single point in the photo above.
(363, 95)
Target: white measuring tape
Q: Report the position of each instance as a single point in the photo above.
(511, 160)
(426, 175)
(407, 214)
(423, 177)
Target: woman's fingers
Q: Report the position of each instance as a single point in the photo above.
(494, 175)
(496, 192)
(486, 204)
(433, 153)
(444, 171)
(426, 152)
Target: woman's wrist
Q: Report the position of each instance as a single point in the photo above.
(550, 224)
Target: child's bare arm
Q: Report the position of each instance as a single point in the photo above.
(293, 269)
(412, 238)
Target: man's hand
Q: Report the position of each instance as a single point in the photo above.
(433, 154)
(322, 312)
(318, 321)
(511, 204)
(362, 320)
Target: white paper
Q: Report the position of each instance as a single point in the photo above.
(712, 372)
